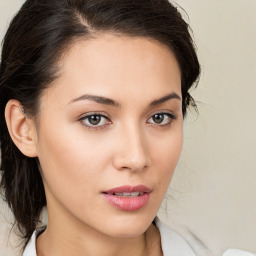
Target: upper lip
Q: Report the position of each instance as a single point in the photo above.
(129, 189)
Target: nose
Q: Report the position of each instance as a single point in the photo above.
(132, 151)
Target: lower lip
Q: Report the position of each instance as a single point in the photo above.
(127, 203)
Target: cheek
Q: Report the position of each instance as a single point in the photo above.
(72, 169)
(75, 163)
(69, 160)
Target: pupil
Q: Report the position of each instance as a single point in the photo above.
(94, 120)
(158, 118)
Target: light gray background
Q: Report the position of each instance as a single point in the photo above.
(212, 194)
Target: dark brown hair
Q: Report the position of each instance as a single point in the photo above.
(37, 37)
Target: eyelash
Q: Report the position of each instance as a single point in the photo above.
(96, 114)
(169, 115)
(83, 119)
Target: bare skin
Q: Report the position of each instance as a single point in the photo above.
(153, 242)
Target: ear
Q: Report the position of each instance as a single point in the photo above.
(21, 128)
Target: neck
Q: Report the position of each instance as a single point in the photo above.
(65, 240)
(67, 243)
(49, 244)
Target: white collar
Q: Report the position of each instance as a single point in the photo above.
(172, 243)
(31, 246)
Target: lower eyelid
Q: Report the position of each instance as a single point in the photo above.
(83, 119)
(169, 115)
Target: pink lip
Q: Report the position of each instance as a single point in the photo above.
(128, 203)
(129, 189)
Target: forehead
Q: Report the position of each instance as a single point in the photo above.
(113, 65)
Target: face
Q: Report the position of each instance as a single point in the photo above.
(110, 134)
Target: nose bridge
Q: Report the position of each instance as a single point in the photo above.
(132, 153)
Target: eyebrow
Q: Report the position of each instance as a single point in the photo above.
(98, 99)
(165, 98)
(110, 102)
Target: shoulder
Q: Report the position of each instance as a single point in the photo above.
(172, 243)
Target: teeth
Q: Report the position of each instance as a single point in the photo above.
(119, 194)
(127, 194)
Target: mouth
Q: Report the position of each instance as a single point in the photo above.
(127, 194)
(128, 198)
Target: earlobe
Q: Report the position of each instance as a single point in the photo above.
(21, 128)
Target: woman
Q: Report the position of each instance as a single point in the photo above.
(92, 99)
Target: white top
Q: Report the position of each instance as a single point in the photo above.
(236, 252)
(172, 244)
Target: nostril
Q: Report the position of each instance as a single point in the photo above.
(132, 153)
(131, 166)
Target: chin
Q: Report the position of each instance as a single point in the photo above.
(128, 232)
(130, 226)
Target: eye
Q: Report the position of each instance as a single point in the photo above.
(95, 120)
(161, 119)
